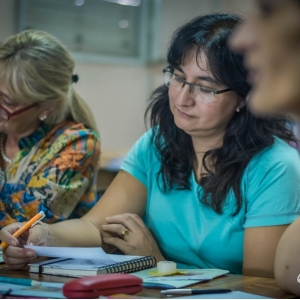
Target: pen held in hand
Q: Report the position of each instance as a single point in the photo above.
(194, 291)
(26, 226)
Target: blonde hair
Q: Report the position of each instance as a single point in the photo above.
(37, 68)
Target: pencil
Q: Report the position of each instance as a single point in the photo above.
(26, 226)
(194, 291)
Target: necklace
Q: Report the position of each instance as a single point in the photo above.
(7, 159)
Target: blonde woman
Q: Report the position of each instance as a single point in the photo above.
(49, 144)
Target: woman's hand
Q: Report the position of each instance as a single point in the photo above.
(130, 235)
(15, 255)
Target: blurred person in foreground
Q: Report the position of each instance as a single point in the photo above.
(49, 144)
(203, 186)
(270, 40)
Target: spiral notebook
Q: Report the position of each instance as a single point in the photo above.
(87, 261)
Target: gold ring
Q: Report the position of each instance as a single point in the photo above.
(125, 231)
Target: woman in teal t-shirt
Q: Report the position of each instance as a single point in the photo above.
(209, 186)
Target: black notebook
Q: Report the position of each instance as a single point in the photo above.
(87, 267)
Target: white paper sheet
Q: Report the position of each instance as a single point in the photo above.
(72, 252)
(91, 253)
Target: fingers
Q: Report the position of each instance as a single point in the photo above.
(118, 229)
(129, 221)
(121, 244)
(38, 235)
(133, 237)
(6, 234)
(17, 258)
(121, 226)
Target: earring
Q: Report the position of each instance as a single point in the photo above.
(238, 110)
(43, 118)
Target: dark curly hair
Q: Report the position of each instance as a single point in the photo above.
(246, 134)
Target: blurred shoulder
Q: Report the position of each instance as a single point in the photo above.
(279, 154)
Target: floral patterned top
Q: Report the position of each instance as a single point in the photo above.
(55, 171)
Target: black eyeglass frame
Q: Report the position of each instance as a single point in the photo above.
(191, 85)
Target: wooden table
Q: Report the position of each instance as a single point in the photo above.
(255, 285)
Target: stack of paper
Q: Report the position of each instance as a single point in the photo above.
(231, 295)
(184, 278)
(78, 262)
(45, 290)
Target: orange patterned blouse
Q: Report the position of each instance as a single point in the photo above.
(55, 171)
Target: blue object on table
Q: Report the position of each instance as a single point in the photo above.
(156, 285)
(20, 281)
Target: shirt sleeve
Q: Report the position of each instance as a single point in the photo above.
(273, 189)
(68, 180)
(138, 159)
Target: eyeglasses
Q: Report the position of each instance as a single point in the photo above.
(199, 92)
(6, 115)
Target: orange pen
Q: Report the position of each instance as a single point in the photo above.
(26, 226)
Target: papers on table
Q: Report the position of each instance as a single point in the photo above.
(77, 262)
(190, 277)
(231, 295)
(45, 290)
(90, 253)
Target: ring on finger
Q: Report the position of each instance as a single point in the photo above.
(124, 232)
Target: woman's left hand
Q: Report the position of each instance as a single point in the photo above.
(129, 234)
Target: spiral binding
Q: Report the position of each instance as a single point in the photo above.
(131, 266)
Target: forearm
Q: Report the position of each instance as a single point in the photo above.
(73, 233)
(260, 245)
(124, 194)
(287, 259)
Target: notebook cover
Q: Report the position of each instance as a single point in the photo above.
(80, 268)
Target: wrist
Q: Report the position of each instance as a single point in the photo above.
(47, 238)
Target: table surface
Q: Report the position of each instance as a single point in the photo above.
(255, 285)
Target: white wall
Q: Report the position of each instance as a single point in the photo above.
(118, 94)
(236, 6)
(118, 97)
(7, 18)
(177, 12)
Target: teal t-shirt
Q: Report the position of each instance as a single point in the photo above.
(191, 233)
